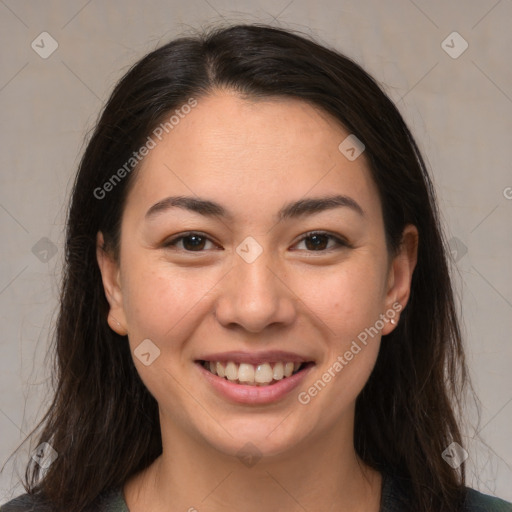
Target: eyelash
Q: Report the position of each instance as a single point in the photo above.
(340, 242)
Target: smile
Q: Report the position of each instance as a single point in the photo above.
(262, 374)
(253, 378)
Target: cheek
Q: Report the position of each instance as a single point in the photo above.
(161, 301)
(349, 303)
(347, 299)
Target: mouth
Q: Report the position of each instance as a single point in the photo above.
(254, 378)
(261, 374)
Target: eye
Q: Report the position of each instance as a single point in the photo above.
(315, 241)
(190, 242)
(318, 241)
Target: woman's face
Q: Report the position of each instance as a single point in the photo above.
(242, 282)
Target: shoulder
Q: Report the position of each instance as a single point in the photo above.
(397, 497)
(108, 501)
(25, 503)
(478, 502)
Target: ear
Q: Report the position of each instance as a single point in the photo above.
(400, 274)
(109, 269)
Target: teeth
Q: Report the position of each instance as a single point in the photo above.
(231, 371)
(244, 373)
(263, 374)
(278, 371)
(220, 369)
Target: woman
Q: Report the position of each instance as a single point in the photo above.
(256, 311)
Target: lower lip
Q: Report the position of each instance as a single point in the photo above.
(246, 394)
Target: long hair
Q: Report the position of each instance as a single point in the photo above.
(103, 422)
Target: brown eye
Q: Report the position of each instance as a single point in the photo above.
(319, 242)
(191, 242)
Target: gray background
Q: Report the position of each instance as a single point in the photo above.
(460, 110)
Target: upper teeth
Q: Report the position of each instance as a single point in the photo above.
(245, 373)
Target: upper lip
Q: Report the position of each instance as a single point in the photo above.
(269, 356)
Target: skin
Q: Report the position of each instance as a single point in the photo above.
(253, 157)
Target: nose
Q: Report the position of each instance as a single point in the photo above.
(255, 295)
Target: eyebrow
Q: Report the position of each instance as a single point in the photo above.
(295, 209)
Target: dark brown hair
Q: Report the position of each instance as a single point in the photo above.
(103, 422)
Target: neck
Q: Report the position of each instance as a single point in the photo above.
(321, 474)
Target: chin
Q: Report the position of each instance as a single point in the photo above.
(266, 437)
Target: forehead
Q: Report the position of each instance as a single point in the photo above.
(226, 127)
(240, 150)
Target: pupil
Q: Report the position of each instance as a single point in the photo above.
(318, 243)
(197, 242)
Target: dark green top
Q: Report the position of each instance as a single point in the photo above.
(394, 499)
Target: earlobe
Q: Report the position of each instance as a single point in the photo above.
(109, 270)
(401, 272)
